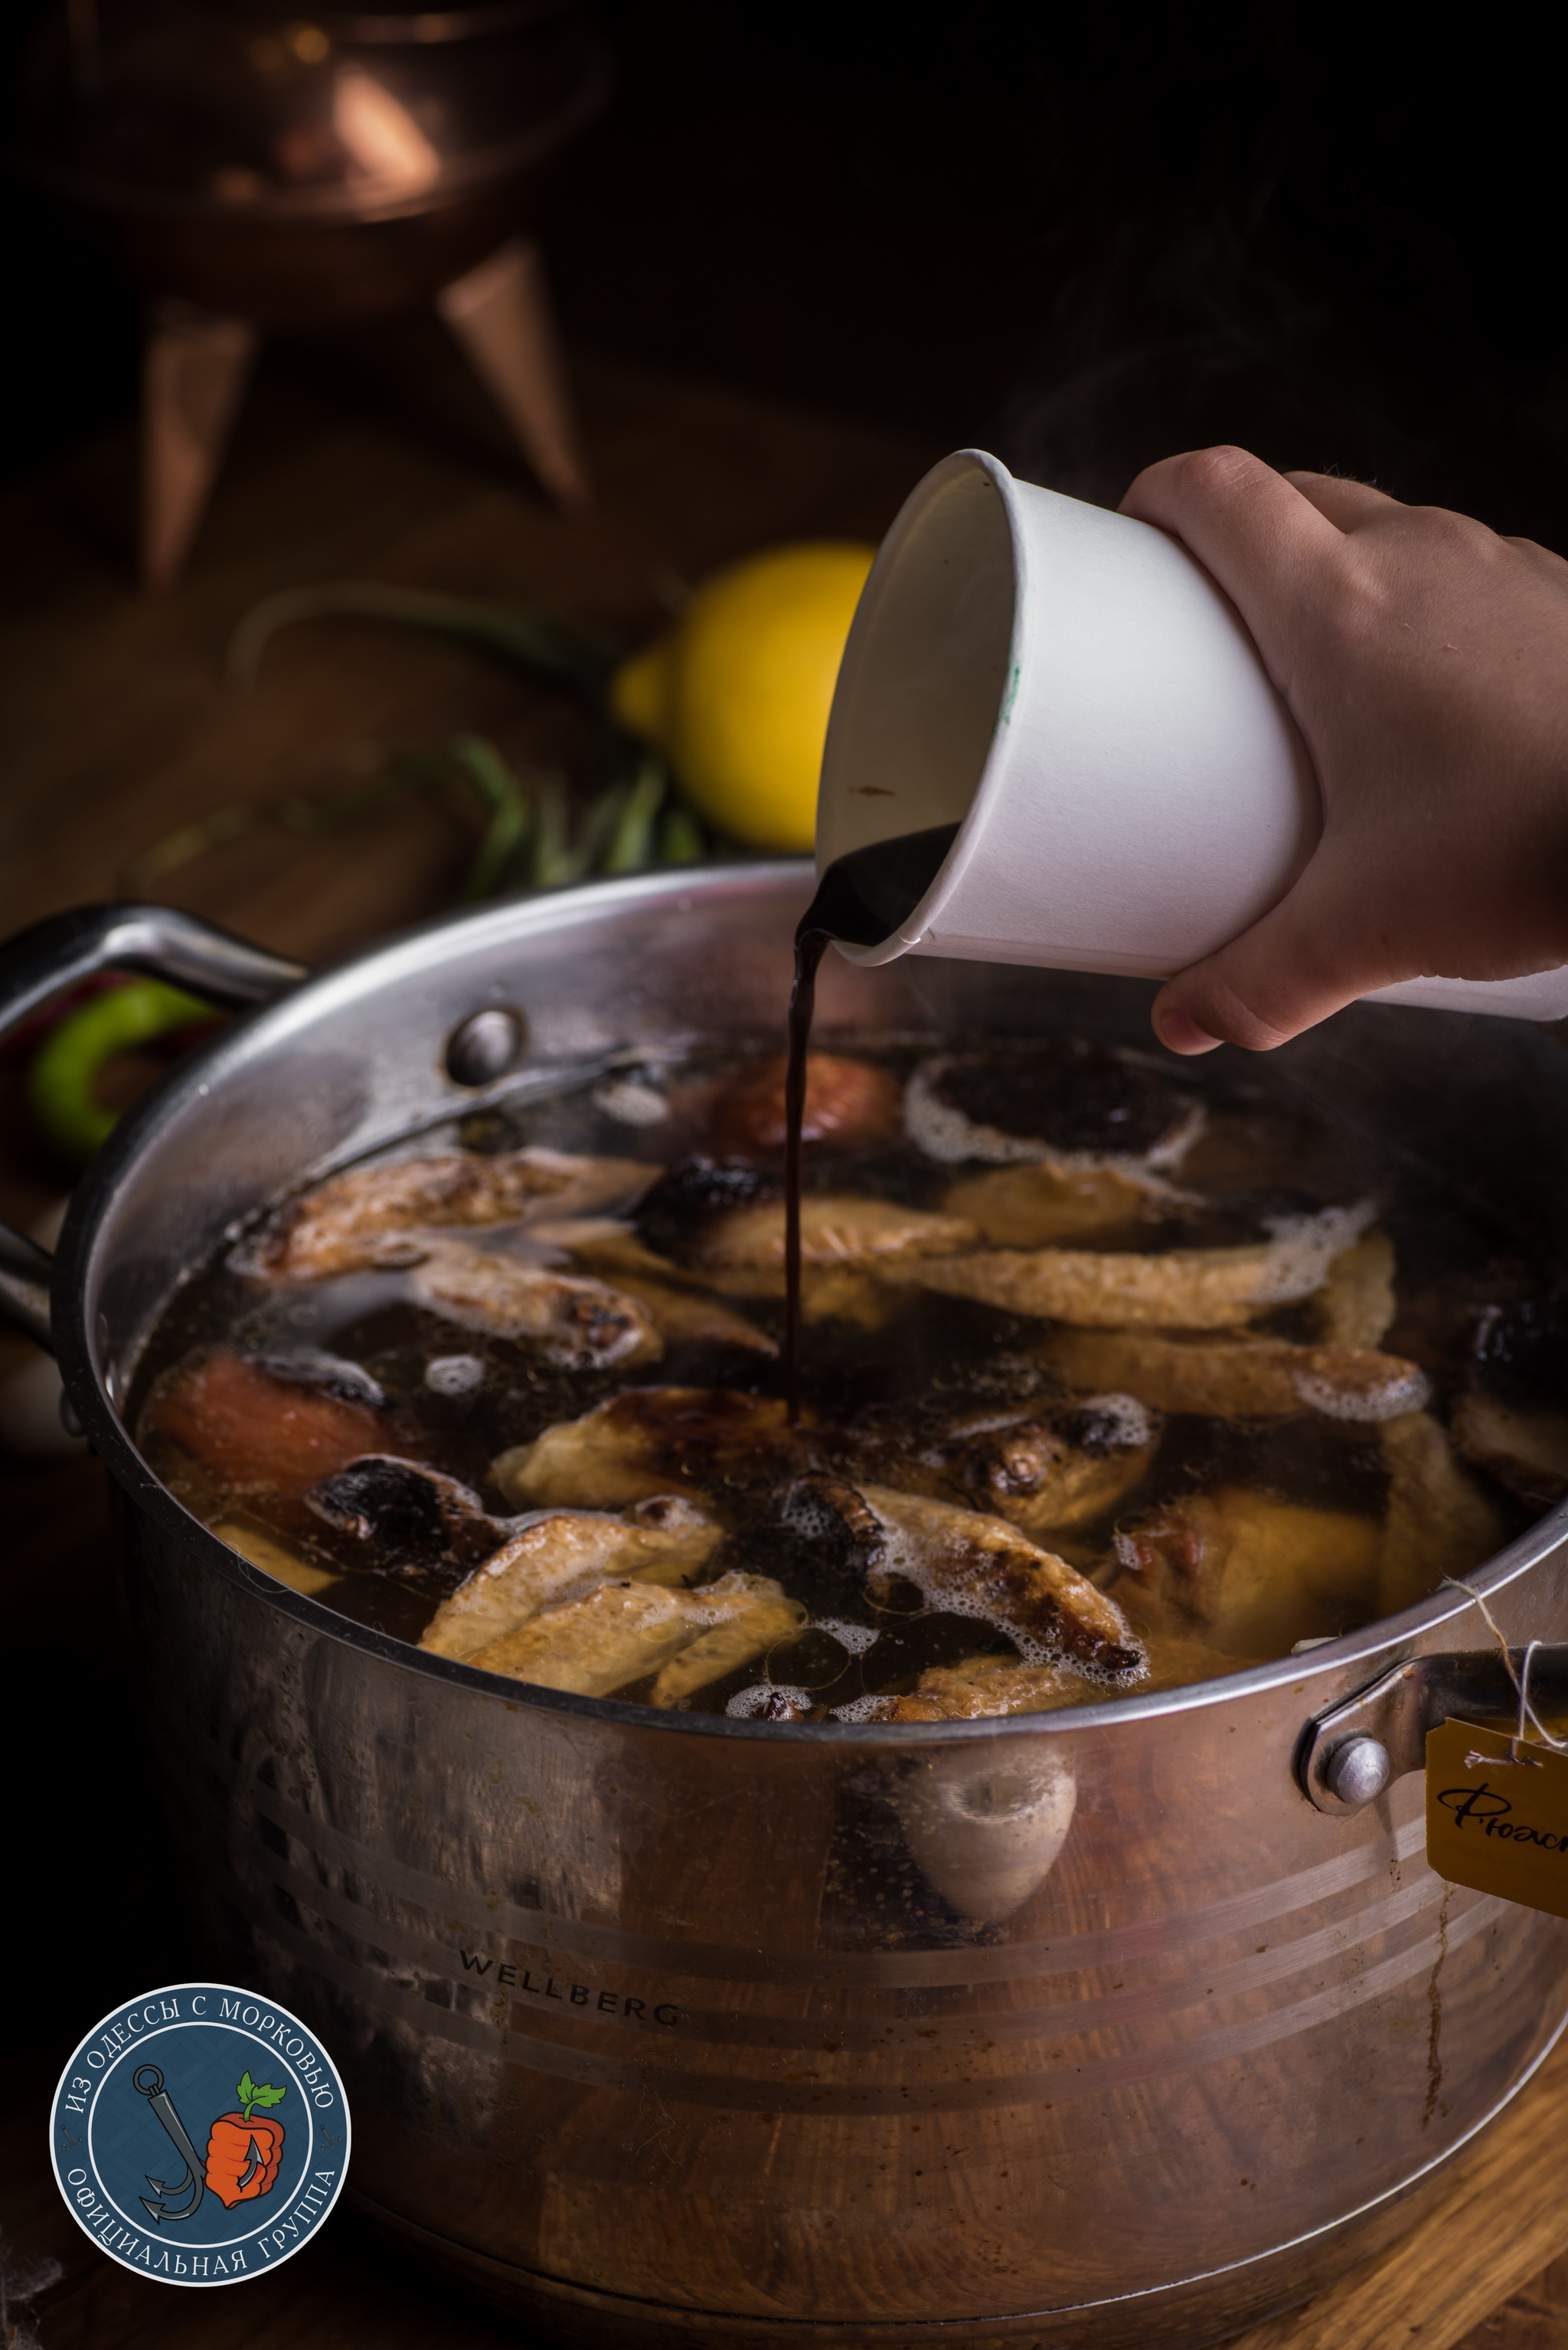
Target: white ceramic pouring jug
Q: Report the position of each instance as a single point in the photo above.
(1072, 690)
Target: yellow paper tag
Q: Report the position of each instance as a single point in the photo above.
(1495, 1823)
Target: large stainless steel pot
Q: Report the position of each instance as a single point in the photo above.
(1092, 2028)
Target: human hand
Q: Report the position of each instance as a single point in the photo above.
(1425, 662)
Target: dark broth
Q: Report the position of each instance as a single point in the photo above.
(861, 898)
(451, 1397)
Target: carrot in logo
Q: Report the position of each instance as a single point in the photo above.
(243, 2154)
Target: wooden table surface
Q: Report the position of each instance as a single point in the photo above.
(118, 729)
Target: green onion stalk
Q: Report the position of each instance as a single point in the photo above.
(533, 833)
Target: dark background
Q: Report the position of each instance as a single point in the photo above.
(1083, 236)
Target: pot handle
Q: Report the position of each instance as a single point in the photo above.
(1350, 1754)
(54, 954)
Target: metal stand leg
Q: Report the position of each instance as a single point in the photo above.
(499, 313)
(194, 367)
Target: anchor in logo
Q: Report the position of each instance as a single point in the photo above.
(242, 2154)
(148, 2081)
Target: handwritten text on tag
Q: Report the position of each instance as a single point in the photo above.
(1497, 1824)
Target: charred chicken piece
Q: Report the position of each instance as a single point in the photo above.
(266, 1434)
(967, 1563)
(1355, 1303)
(1251, 1576)
(1051, 1468)
(572, 1321)
(689, 1195)
(992, 1685)
(373, 1216)
(561, 1556)
(822, 1539)
(1234, 1375)
(1512, 1419)
(622, 1631)
(394, 1514)
(723, 1222)
(850, 1103)
(649, 1440)
(1190, 1289)
(771, 1620)
(1439, 1523)
(1525, 1446)
(1179, 1653)
(1069, 1101)
(846, 1292)
(685, 1317)
(679, 1309)
(609, 1245)
(1048, 1205)
(742, 1251)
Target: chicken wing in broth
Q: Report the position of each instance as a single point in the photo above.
(1113, 1381)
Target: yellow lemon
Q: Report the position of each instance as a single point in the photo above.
(737, 694)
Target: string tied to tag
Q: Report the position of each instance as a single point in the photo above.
(1521, 1679)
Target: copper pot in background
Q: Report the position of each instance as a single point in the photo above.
(259, 170)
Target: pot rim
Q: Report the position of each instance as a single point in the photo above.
(1317, 1679)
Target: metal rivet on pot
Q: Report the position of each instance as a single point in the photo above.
(1357, 1770)
(484, 1046)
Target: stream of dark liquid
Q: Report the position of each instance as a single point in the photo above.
(861, 898)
